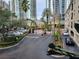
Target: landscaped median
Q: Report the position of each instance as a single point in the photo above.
(62, 53)
(56, 49)
(10, 41)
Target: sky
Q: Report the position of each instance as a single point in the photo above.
(6, 0)
(40, 7)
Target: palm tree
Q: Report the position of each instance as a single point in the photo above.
(33, 25)
(25, 5)
(4, 20)
(46, 13)
(57, 34)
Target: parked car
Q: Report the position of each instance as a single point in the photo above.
(14, 33)
(23, 30)
(17, 33)
(65, 33)
(10, 33)
(69, 42)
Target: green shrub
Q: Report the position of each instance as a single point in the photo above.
(11, 40)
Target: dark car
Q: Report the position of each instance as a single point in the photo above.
(69, 42)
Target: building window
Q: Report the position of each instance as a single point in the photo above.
(71, 15)
(76, 25)
(78, 6)
(71, 25)
(78, 11)
(72, 7)
(74, 13)
(63, 6)
(72, 33)
(63, 15)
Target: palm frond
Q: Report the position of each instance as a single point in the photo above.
(25, 5)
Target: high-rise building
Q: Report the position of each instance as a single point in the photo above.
(56, 7)
(12, 6)
(28, 13)
(1, 3)
(56, 11)
(15, 7)
(48, 7)
(4, 5)
(33, 9)
(48, 4)
(62, 10)
(22, 13)
(59, 8)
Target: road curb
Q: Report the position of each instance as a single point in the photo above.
(12, 45)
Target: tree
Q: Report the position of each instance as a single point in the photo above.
(24, 24)
(25, 5)
(33, 25)
(4, 16)
(19, 23)
(4, 20)
(45, 24)
(57, 35)
(46, 13)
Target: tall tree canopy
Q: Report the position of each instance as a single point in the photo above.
(4, 15)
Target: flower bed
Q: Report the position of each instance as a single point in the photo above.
(58, 52)
(57, 40)
(11, 40)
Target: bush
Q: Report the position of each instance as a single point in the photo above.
(10, 40)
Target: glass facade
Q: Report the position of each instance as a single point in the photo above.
(56, 6)
(33, 9)
(62, 8)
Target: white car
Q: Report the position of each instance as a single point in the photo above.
(22, 31)
(65, 33)
(10, 33)
(17, 33)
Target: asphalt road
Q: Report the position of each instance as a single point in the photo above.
(33, 47)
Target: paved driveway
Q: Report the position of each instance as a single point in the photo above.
(33, 47)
